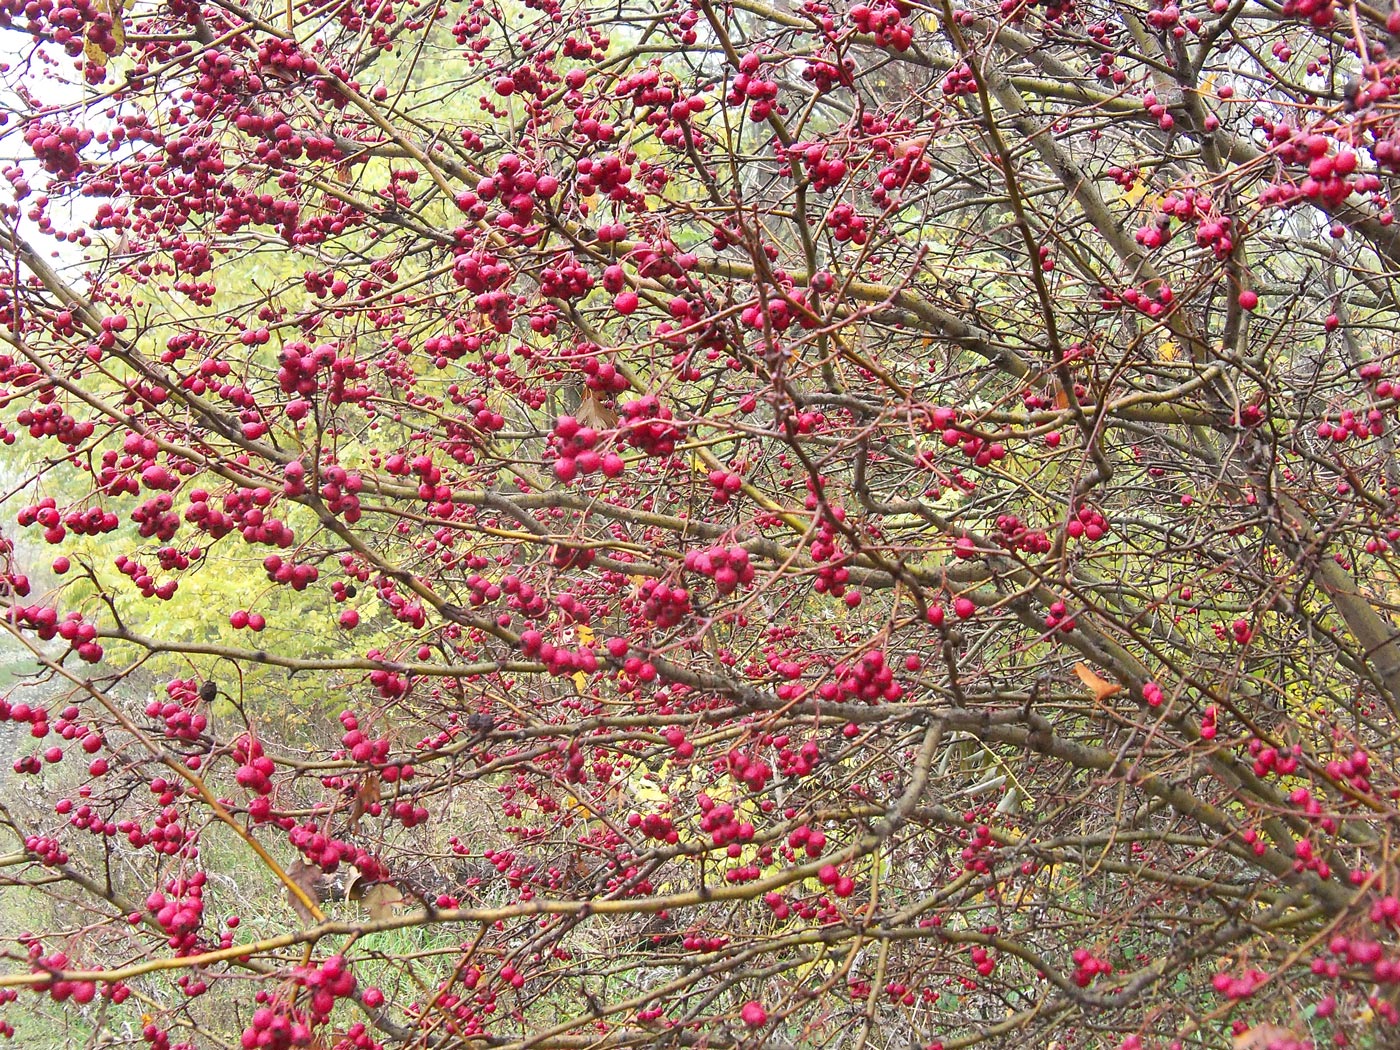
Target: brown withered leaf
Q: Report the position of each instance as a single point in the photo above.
(355, 887)
(1262, 1036)
(593, 413)
(365, 796)
(381, 899)
(1102, 688)
(307, 878)
(911, 148)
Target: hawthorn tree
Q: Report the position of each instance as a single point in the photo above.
(559, 524)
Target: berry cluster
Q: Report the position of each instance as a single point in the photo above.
(826, 75)
(868, 679)
(599, 372)
(983, 960)
(646, 425)
(559, 661)
(1087, 523)
(57, 145)
(663, 604)
(181, 711)
(241, 618)
(727, 566)
(1087, 966)
(846, 224)
(576, 448)
(154, 517)
(1013, 534)
(724, 484)
(829, 875)
(885, 22)
(50, 420)
(608, 174)
(255, 768)
(1349, 425)
(1241, 987)
(797, 762)
(1353, 770)
(47, 851)
(44, 513)
(718, 819)
(179, 911)
(1318, 12)
(977, 854)
(809, 839)
(518, 188)
(1157, 109)
(822, 169)
(748, 86)
(645, 88)
(959, 81)
(1269, 759)
(654, 826)
(749, 770)
(299, 577)
(832, 574)
(341, 491)
(243, 509)
(365, 749)
(675, 737)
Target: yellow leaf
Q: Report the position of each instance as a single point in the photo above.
(648, 791)
(1102, 688)
(95, 54)
(585, 637)
(114, 8)
(1135, 192)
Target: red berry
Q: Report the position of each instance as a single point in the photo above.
(753, 1014)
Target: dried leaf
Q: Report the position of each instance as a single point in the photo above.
(307, 878)
(908, 149)
(593, 413)
(356, 886)
(381, 899)
(1102, 688)
(1262, 1036)
(365, 796)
